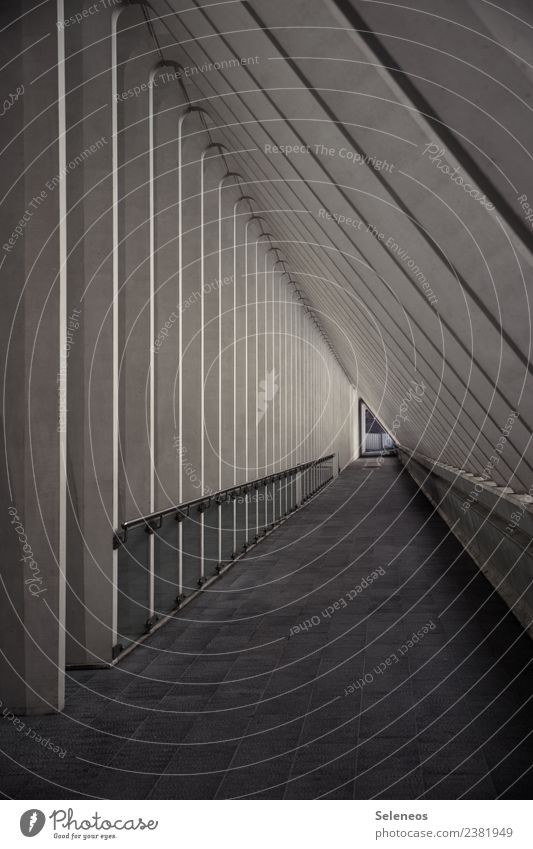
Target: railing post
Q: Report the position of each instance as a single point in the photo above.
(202, 547)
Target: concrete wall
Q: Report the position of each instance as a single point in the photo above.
(146, 298)
(494, 525)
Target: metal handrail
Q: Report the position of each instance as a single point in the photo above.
(153, 521)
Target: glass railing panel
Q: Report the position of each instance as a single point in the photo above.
(227, 517)
(280, 497)
(260, 499)
(166, 566)
(190, 547)
(260, 509)
(253, 516)
(266, 506)
(211, 539)
(262, 494)
(241, 536)
(133, 586)
(286, 494)
(290, 491)
(300, 486)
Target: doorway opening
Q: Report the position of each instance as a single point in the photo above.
(375, 439)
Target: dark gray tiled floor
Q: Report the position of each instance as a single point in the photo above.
(223, 703)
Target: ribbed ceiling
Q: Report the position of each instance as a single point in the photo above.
(394, 186)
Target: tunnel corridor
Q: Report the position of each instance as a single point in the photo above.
(266, 501)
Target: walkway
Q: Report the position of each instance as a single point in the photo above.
(225, 702)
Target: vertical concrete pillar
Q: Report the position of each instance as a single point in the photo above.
(252, 231)
(168, 103)
(240, 345)
(212, 172)
(194, 140)
(228, 194)
(90, 517)
(32, 488)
